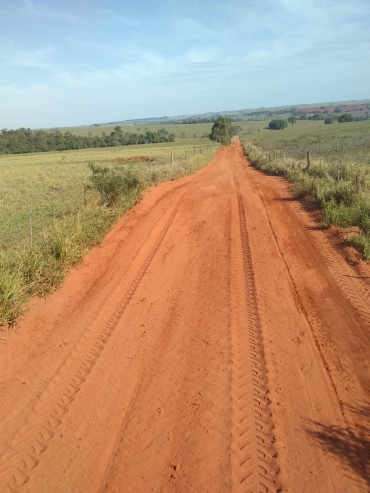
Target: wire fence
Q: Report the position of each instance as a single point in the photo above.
(24, 217)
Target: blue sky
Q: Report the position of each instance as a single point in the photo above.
(74, 62)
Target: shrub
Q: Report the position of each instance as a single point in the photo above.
(278, 124)
(345, 117)
(328, 120)
(112, 184)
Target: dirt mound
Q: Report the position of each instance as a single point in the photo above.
(133, 159)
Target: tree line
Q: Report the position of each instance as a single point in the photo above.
(25, 140)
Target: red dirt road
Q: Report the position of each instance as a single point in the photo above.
(216, 342)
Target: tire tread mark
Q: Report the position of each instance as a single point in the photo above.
(254, 439)
(34, 437)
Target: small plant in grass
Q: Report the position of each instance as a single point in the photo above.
(11, 294)
(361, 243)
(112, 184)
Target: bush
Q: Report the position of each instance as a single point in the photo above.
(328, 120)
(112, 184)
(278, 124)
(345, 117)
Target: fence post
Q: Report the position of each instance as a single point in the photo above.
(31, 229)
(358, 183)
(172, 158)
(308, 161)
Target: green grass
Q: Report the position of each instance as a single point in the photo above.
(52, 184)
(66, 221)
(338, 154)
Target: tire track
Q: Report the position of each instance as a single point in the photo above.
(355, 290)
(34, 437)
(256, 469)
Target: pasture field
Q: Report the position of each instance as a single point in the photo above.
(53, 184)
(335, 143)
(338, 178)
(182, 131)
(49, 217)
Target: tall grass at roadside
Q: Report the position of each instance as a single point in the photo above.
(332, 186)
(26, 272)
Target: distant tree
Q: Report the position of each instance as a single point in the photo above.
(338, 110)
(278, 124)
(303, 116)
(328, 120)
(317, 116)
(292, 120)
(117, 129)
(236, 129)
(222, 130)
(345, 117)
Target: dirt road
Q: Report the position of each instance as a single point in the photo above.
(216, 341)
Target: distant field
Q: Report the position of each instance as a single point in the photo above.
(338, 142)
(51, 185)
(338, 178)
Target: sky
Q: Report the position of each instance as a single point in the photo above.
(76, 62)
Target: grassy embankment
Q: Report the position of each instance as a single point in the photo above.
(338, 153)
(67, 218)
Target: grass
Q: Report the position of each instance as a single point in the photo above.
(338, 154)
(66, 222)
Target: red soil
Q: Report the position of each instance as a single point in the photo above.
(330, 109)
(133, 159)
(215, 338)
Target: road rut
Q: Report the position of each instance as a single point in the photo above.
(216, 341)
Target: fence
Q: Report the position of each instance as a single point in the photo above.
(23, 218)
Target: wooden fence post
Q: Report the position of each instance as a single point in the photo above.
(172, 158)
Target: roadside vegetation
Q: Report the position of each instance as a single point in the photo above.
(336, 175)
(54, 208)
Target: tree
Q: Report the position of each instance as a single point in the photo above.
(292, 120)
(317, 116)
(222, 130)
(278, 124)
(345, 117)
(328, 120)
(236, 129)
